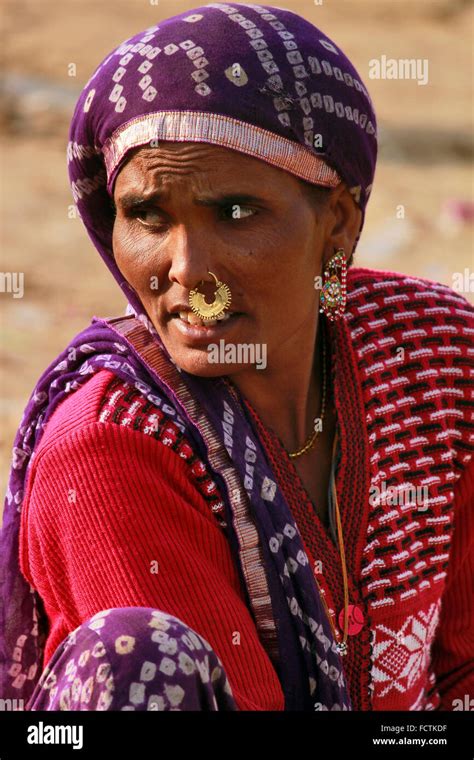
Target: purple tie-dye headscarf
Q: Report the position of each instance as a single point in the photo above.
(265, 82)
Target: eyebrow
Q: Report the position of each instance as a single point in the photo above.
(231, 199)
(135, 200)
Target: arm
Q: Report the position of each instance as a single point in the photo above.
(112, 519)
(453, 648)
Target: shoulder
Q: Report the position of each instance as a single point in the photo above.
(414, 344)
(391, 310)
(79, 408)
(104, 402)
(369, 290)
(109, 423)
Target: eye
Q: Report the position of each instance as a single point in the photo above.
(148, 217)
(237, 211)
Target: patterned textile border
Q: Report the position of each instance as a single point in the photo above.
(198, 126)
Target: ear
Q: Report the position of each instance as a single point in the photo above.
(343, 220)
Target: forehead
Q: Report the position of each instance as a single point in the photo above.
(198, 161)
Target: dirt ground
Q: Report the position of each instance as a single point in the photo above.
(425, 160)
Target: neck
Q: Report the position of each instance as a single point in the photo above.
(294, 401)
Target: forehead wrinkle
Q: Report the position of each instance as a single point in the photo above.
(181, 150)
(202, 169)
(182, 157)
(196, 158)
(163, 180)
(149, 173)
(158, 168)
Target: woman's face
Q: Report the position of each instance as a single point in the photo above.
(254, 226)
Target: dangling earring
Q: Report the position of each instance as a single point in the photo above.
(333, 293)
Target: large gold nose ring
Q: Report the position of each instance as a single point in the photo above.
(221, 302)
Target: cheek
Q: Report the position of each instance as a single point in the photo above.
(288, 260)
(269, 254)
(136, 255)
(286, 281)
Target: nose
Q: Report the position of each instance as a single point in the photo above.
(191, 259)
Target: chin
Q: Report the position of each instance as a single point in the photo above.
(203, 357)
(196, 362)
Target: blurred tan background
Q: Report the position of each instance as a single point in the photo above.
(425, 159)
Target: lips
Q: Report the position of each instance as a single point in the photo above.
(191, 318)
(206, 330)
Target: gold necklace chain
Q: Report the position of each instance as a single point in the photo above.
(310, 441)
(341, 645)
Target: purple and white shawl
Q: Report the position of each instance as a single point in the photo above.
(267, 83)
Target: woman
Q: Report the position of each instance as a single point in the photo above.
(197, 516)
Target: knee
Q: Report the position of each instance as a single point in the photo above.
(125, 628)
(136, 658)
(134, 634)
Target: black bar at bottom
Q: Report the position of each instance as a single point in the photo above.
(153, 734)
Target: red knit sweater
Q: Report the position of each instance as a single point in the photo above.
(115, 486)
